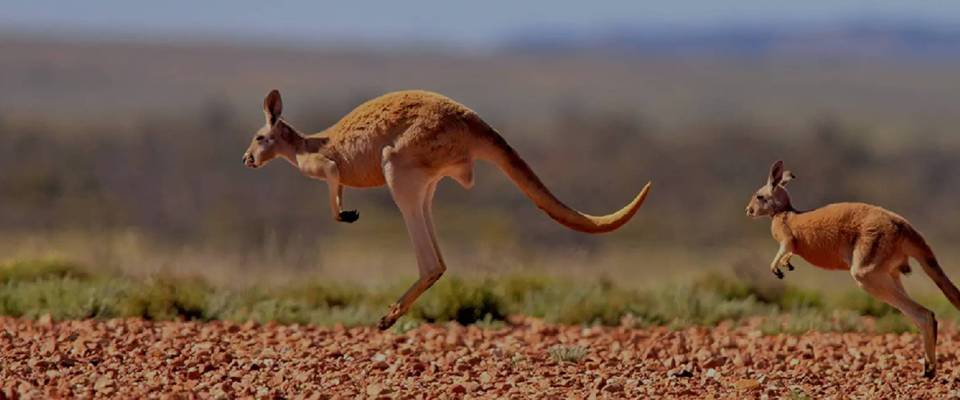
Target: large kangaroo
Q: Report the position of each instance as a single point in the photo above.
(409, 140)
(871, 242)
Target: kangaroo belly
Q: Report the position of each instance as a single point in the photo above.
(364, 180)
(361, 167)
(363, 173)
(823, 257)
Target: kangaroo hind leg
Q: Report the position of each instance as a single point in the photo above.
(410, 187)
(885, 285)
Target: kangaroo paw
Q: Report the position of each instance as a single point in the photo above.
(348, 216)
(789, 266)
(391, 318)
(929, 371)
(385, 323)
(777, 272)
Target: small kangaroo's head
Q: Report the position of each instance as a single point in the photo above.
(275, 138)
(772, 198)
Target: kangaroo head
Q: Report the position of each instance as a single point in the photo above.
(275, 138)
(772, 198)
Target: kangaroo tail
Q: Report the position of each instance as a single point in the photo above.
(495, 149)
(917, 248)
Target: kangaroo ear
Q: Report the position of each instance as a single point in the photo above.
(787, 177)
(272, 106)
(776, 173)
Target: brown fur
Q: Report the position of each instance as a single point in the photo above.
(871, 242)
(410, 140)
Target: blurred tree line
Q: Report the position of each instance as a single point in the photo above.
(180, 179)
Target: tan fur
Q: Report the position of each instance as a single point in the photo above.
(410, 140)
(871, 242)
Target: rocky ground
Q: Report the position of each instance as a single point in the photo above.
(526, 359)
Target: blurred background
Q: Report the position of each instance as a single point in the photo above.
(122, 125)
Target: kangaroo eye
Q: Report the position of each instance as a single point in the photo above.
(759, 197)
(260, 138)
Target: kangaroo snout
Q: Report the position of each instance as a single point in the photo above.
(249, 161)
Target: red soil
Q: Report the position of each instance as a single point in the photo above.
(137, 359)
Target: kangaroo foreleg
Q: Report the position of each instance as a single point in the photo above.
(332, 176)
(782, 259)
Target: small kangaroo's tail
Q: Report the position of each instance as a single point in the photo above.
(917, 248)
(492, 147)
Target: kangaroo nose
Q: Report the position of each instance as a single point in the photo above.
(749, 211)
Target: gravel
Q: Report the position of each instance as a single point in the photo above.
(131, 358)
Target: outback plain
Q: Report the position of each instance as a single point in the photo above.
(140, 258)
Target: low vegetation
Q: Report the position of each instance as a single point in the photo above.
(63, 290)
(571, 354)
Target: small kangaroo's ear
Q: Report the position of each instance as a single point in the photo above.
(776, 173)
(787, 177)
(272, 106)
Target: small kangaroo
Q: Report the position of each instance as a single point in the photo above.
(410, 140)
(871, 242)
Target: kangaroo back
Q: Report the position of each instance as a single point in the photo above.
(492, 147)
(917, 247)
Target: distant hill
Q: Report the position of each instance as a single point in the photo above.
(866, 39)
(773, 76)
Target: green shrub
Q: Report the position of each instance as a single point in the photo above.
(864, 304)
(323, 295)
(164, 299)
(66, 291)
(799, 299)
(593, 304)
(684, 305)
(893, 323)
(32, 270)
(725, 287)
(455, 299)
(62, 298)
(519, 288)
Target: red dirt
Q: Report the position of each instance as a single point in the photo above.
(136, 359)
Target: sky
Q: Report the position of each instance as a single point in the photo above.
(445, 21)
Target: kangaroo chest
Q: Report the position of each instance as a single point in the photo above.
(820, 246)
